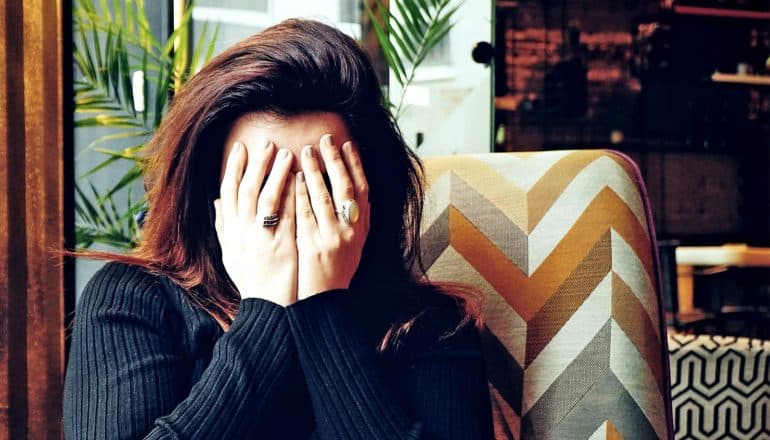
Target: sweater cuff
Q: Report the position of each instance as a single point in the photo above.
(323, 331)
(333, 298)
(341, 370)
(258, 314)
(261, 332)
(248, 363)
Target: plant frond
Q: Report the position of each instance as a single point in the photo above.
(407, 33)
(112, 41)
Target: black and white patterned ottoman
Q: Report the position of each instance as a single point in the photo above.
(720, 387)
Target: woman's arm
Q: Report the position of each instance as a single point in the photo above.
(350, 400)
(126, 377)
(446, 388)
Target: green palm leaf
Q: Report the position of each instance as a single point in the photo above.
(112, 40)
(103, 222)
(407, 37)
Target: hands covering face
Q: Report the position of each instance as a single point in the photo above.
(291, 239)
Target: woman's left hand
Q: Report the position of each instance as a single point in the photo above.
(328, 248)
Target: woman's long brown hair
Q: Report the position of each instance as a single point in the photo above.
(295, 67)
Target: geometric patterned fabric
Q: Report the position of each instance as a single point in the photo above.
(561, 243)
(721, 387)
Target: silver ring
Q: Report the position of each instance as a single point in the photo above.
(349, 211)
(270, 220)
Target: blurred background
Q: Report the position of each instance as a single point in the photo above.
(680, 86)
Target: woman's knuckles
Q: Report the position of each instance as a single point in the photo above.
(334, 156)
(306, 212)
(248, 189)
(325, 199)
(348, 236)
(268, 200)
(333, 244)
(348, 190)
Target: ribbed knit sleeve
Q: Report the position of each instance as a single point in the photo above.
(125, 375)
(446, 395)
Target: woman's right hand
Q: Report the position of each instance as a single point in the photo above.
(261, 261)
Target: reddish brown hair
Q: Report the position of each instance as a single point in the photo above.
(295, 67)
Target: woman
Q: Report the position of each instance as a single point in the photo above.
(271, 296)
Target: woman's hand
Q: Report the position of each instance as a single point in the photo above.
(260, 260)
(328, 248)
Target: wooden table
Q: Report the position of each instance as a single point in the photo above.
(729, 255)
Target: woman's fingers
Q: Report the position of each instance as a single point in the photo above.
(270, 196)
(320, 199)
(342, 185)
(356, 170)
(253, 177)
(228, 190)
(219, 223)
(287, 223)
(307, 227)
(242, 198)
(360, 184)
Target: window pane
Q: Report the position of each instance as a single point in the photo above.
(350, 11)
(238, 19)
(252, 5)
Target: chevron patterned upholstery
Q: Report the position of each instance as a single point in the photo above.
(720, 386)
(561, 243)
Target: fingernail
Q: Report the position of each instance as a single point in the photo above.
(347, 147)
(237, 145)
(326, 140)
(300, 176)
(285, 153)
(309, 151)
(268, 144)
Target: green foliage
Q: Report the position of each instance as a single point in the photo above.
(111, 42)
(407, 37)
(100, 222)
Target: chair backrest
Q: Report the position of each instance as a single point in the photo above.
(562, 245)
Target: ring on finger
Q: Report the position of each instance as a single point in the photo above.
(270, 220)
(349, 211)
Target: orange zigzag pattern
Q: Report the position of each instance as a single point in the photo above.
(527, 295)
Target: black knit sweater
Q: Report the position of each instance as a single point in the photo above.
(146, 363)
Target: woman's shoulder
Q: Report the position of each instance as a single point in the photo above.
(119, 277)
(126, 297)
(129, 288)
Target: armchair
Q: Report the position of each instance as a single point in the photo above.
(563, 247)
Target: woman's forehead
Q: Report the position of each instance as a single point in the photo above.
(291, 132)
(302, 129)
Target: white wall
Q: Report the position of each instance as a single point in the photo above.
(452, 105)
